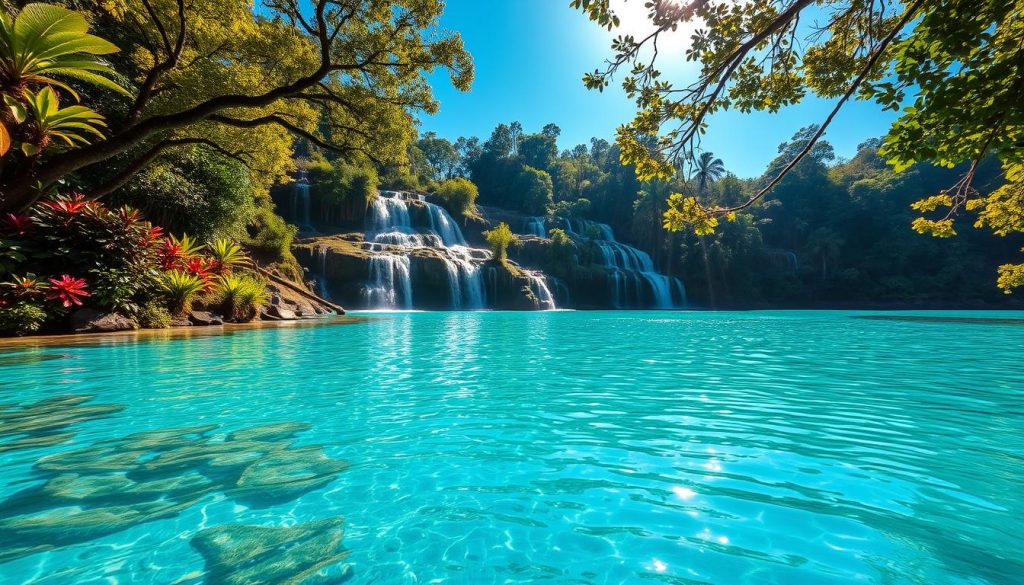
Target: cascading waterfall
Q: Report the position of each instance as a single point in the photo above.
(391, 236)
(629, 270)
(539, 286)
(535, 226)
(321, 275)
(301, 202)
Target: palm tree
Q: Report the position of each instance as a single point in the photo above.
(707, 170)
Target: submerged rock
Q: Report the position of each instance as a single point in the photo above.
(116, 484)
(299, 555)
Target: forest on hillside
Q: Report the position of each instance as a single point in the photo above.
(835, 232)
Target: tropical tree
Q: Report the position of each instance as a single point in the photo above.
(344, 75)
(761, 56)
(707, 169)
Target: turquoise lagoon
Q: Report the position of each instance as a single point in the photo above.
(561, 447)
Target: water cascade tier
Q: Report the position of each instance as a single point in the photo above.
(631, 280)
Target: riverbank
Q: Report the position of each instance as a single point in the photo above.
(143, 335)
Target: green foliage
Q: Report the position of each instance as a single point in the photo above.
(959, 64)
(270, 236)
(239, 296)
(21, 319)
(578, 208)
(534, 190)
(499, 239)
(561, 254)
(154, 315)
(194, 191)
(226, 254)
(180, 288)
(44, 120)
(337, 186)
(458, 196)
(45, 42)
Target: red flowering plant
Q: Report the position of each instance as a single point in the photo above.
(78, 240)
(15, 225)
(67, 290)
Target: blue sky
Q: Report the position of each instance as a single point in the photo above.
(531, 54)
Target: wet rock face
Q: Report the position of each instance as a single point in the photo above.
(509, 289)
(115, 484)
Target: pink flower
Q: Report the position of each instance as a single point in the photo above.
(68, 290)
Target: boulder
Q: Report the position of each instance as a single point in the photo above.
(92, 321)
(277, 312)
(204, 318)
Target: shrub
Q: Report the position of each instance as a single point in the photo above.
(195, 191)
(116, 251)
(181, 288)
(458, 196)
(499, 239)
(154, 316)
(240, 297)
(561, 252)
(21, 319)
(270, 236)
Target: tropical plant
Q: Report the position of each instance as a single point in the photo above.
(44, 120)
(239, 296)
(116, 250)
(10, 256)
(176, 252)
(499, 239)
(154, 315)
(67, 290)
(225, 255)
(21, 319)
(180, 289)
(45, 42)
(706, 170)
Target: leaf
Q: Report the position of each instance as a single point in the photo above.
(5, 140)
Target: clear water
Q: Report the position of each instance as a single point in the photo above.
(611, 447)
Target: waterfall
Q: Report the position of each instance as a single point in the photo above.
(535, 227)
(633, 281)
(389, 275)
(321, 275)
(392, 234)
(302, 195)
(539, 286)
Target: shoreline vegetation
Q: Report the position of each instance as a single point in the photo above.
(172, 164)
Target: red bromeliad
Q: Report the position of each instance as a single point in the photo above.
(72, 205)
(15, 224)
(171, 255)
(26, 287)
(201, 268)
(68, 290)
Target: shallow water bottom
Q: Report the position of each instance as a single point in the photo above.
(563, 447)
